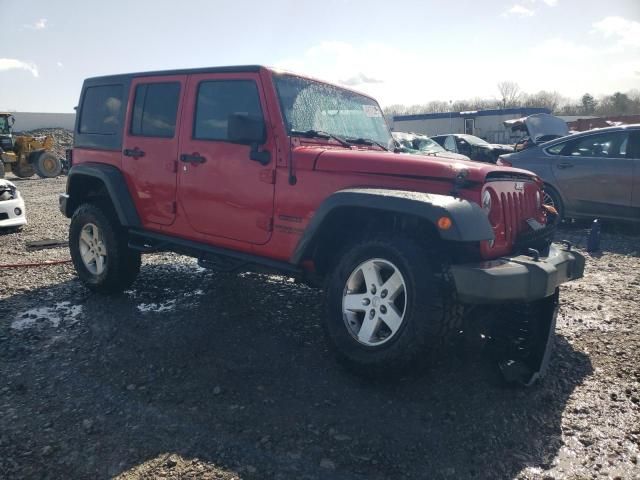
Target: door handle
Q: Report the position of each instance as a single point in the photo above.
(193, 158)
(564, 165)
(135, 153)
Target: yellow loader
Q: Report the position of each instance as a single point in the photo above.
(26, 155)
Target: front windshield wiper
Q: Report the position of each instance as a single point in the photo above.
(320, 134)
(365, 141)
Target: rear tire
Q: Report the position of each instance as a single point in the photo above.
(47, 165)
(99, 250)
(405, 285)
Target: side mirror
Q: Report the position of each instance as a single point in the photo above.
(249, 130)
(12, 120)
(246, 129)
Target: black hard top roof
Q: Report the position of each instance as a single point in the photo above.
(184, 71)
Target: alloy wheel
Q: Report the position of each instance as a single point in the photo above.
(374, 302)
(92, 249)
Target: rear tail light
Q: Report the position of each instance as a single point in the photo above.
(503, 162)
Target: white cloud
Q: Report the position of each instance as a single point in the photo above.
(519, 11)
(627, 32)
(551, 3)
(59, 64)
(39, 24)
(14, 64)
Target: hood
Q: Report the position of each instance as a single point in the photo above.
(8, 190)
(387, 163)
(499, 146)
(5, 184)
(451, 156)
(539, 126)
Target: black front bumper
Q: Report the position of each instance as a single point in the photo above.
(520, 278)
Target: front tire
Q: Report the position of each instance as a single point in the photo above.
(387, 309)
(552, 198)
(23, 169)
(98, 246)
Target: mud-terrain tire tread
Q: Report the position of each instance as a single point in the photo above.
(123, 264)
(434, 316)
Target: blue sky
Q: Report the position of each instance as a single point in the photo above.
(400, 52)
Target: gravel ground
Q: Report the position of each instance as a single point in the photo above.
(193, 374)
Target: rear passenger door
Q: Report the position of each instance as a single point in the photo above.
(150, 146)
(222, 192)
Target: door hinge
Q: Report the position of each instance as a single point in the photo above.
(268, 176)
(265, 224)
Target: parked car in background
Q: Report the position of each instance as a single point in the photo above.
(12, 212)
(537, 129)
(473, 147)
(423, 145)
(590, 174)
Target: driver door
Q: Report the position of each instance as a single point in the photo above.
(222, 192)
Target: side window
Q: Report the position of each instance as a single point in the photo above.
(101, 110)
(155, 109)
(450, 144)
(608, 145)
(556, 149)
(633, 149)
(217, 100)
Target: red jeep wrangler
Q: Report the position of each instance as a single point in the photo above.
(247, 167)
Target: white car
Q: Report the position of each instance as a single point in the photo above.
(12, 213)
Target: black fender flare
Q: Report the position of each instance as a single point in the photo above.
(469, 222)
(115, 185)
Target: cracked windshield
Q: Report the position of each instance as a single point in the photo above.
(312, 106)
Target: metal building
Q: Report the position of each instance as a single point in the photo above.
(486, 124)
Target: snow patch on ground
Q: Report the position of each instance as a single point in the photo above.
(167, 306)
(53, 315)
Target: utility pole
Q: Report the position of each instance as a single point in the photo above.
(450, 116)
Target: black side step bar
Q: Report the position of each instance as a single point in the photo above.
(209, 256)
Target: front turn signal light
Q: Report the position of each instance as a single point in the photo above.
(444, 223)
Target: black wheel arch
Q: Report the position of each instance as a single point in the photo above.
(101, 182)
(377, 209)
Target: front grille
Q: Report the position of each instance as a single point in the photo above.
(516, 208)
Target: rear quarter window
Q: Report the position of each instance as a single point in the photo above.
(101, 110)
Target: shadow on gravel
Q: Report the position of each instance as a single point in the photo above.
(233, 371)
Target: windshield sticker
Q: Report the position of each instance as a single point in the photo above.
(371, 111)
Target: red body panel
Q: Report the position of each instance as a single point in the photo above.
(152, 177)
(229, 195)
(233, 202)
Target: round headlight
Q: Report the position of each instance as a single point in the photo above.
(486, 201)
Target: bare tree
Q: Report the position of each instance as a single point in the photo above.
(543, 98)
(510, 93)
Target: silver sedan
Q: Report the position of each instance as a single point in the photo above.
(594, 174)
